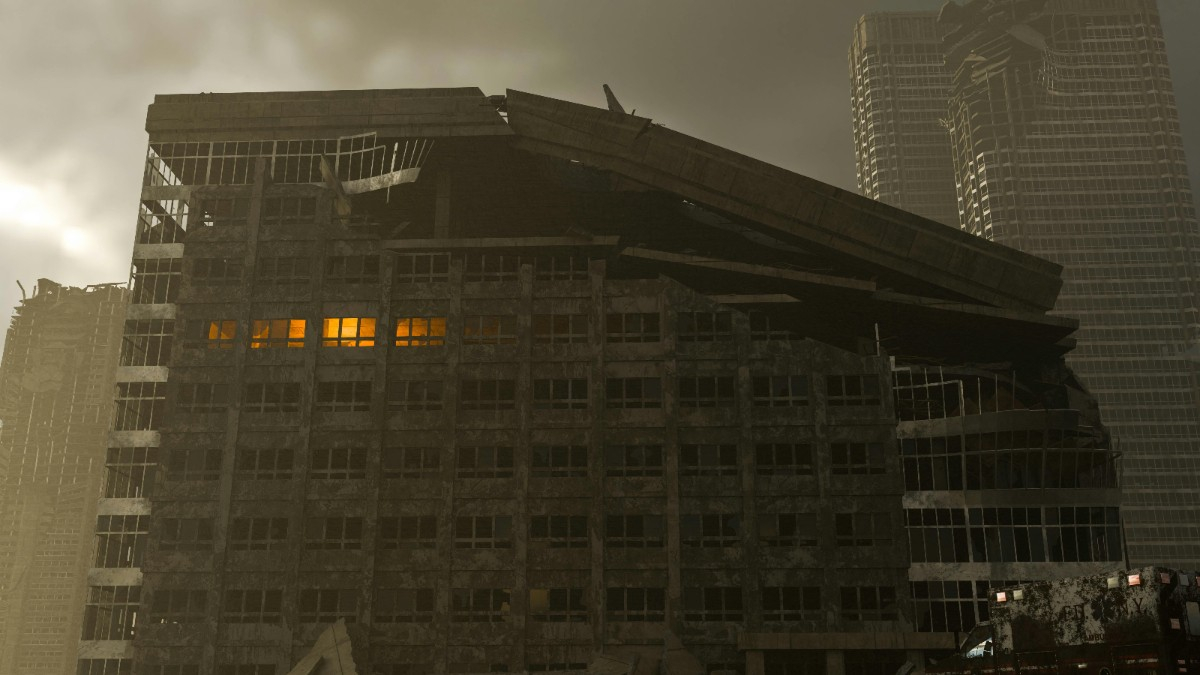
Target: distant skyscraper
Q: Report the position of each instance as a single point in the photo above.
(898, 93)
(1066, 145)
(55, 396)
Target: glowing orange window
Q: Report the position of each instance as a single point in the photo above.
(421, 331)
(348, 331)
(268, 333)
(221, 334)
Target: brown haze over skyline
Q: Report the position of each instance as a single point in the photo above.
(765, 79)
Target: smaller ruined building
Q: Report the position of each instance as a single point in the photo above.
(56, 380)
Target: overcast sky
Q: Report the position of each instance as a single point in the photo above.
(768, 79)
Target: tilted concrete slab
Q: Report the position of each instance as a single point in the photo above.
(825, 218)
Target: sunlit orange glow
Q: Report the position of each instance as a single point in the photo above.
(421, 331)
(348, 332)
(221, 334)
(266, 333)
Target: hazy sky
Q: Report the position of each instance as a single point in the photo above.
(768, 79)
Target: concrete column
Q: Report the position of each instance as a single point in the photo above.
(835, 662)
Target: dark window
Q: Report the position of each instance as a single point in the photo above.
(633, 460)
(780, 391)
(120, 541)
(784, 459)
(559, 461)
(713, 603)
(557, 605)
(139, 405)
(265, 463)
(869, 603)
(479, 605)
(111, 612)
(178, 605)
(560, 394)
(792, 603)
(216, 271)
(761, 328)
(129, 472)
(787, 529)
(559, 329)
(486, 394)
(634, 531)
(634, 392)
(486, 461)
(201, 398)
(414, 395)
(857, 459)
(230, 212)
(559, 531)
(636, 604)
(420, 331)
(283, 270)
(185, 534)
(491, 267)
(339, 463)
(705, 326)
(862, 529)
(560, 268)
(403, 605)
(271, 398)
(852, 390)
(408, 532)
(710, 530)
(335, 533)
(147, 342)
(344, 396)
(156, 280)
(276, 333)
(706, 391)
(252, 605)
(258, 534)
(948, 606)
(289, 210)
(412, 268)
(352, 269)
(632, 328)
(411, 462)
(327, 605)
(191, 464)
(708, 460)
(483, 532)
(489, 329)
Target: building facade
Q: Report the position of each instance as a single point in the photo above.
(55, 404)
(509, 381)
(898, 91)
(1066, 145)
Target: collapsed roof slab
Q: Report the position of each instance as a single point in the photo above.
(390, 113)
(840, 224)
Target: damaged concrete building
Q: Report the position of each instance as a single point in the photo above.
(56, 379)
(508, 381)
